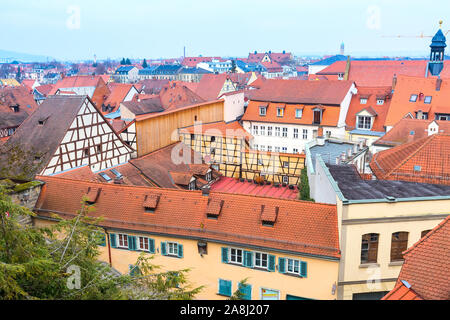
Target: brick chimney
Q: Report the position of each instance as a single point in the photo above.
(394, 82)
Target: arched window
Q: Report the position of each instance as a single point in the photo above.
(399, 244)
(369, 248)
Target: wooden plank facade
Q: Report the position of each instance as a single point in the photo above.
(155, 131)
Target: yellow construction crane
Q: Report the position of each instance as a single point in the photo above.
(419, 36)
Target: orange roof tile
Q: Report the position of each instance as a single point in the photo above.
(210, 86)
(301, 227)
(371, 94)
(426, 265)
(425, 160)
(422, 87)
(402, 291)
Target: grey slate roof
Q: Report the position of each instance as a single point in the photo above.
(329, 151)
(354, 188)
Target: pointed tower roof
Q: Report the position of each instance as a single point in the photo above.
(438, 39)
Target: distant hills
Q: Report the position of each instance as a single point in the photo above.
(10, 56)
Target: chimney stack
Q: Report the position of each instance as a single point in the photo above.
(394, 82)
(438, 83)
(206, 190)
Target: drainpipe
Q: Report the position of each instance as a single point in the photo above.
(109, 248)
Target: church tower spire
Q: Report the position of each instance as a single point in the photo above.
(436, 63)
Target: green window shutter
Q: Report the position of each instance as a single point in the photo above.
(282, 265)
(303, 269)
(131, 243)
(225, 287)
(271, 262)
(102, 241)
(151, 245)
(112, 240)
(248, 259)
(163, 248)
(180, 251)
(246, 291)
(224, 255)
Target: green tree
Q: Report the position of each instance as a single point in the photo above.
(238, 295)
(144, 64)
(304, 186)
(41, 263)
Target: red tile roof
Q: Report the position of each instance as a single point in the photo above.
(76, 81)
(426, 265)
(44, 89)
(12, 96)
(431, 154)
(302, 91)
(422, 87)
(118, 92)
(402, 291)
(378, 73)
(210, 86)
(193, 61)
(301, 227)
(407, 130)
(371, 94)
(232, 185)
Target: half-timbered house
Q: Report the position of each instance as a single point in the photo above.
(65, 132)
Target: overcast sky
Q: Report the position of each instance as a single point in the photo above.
(78, 29)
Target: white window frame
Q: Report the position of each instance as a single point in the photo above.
(363, 120)
(269, 131)
(292, 263)
(280, 112)
(263, 130)
(255, 130)
(295, 150)
(143, 247)
(122, 240)
(425, 99)
(269, 148)
(284, 149)
(363, 101)
(277, 149)
(277, 131)
(297, 112)
(262, 113)
(305, 134)
(285, 179)
(295, 133)
(238, 253)
(284, 133)
(172, 248)
(191, 185)
(261, 259)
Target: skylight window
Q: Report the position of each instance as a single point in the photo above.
(116, 173)
(380, 102)
(427, 100)
(413, 98)
(105, 176)
(417, 168)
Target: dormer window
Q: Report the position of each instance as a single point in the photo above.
(427, 100)
(298, 113)
(317, 116)
(262, 111)
(192, 185)
(364, 122)
(15, 108)
(340, 76)
(363, 100)
(413, 98)
(280, 112)
(380, 102)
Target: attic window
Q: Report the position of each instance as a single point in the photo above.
(380, 102)
(262, 111)
(427, 100)
(280, 112)
(413, 98)
(269, 215)
(151, 202)
(105, 176)
(417, 168)
(363, 100)
(41, 122)
(15, 108)
(214, 208)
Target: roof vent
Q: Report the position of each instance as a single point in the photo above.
(92, 194)
(269, 215)
(151, 202)
(391, 199)
(214, 208)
